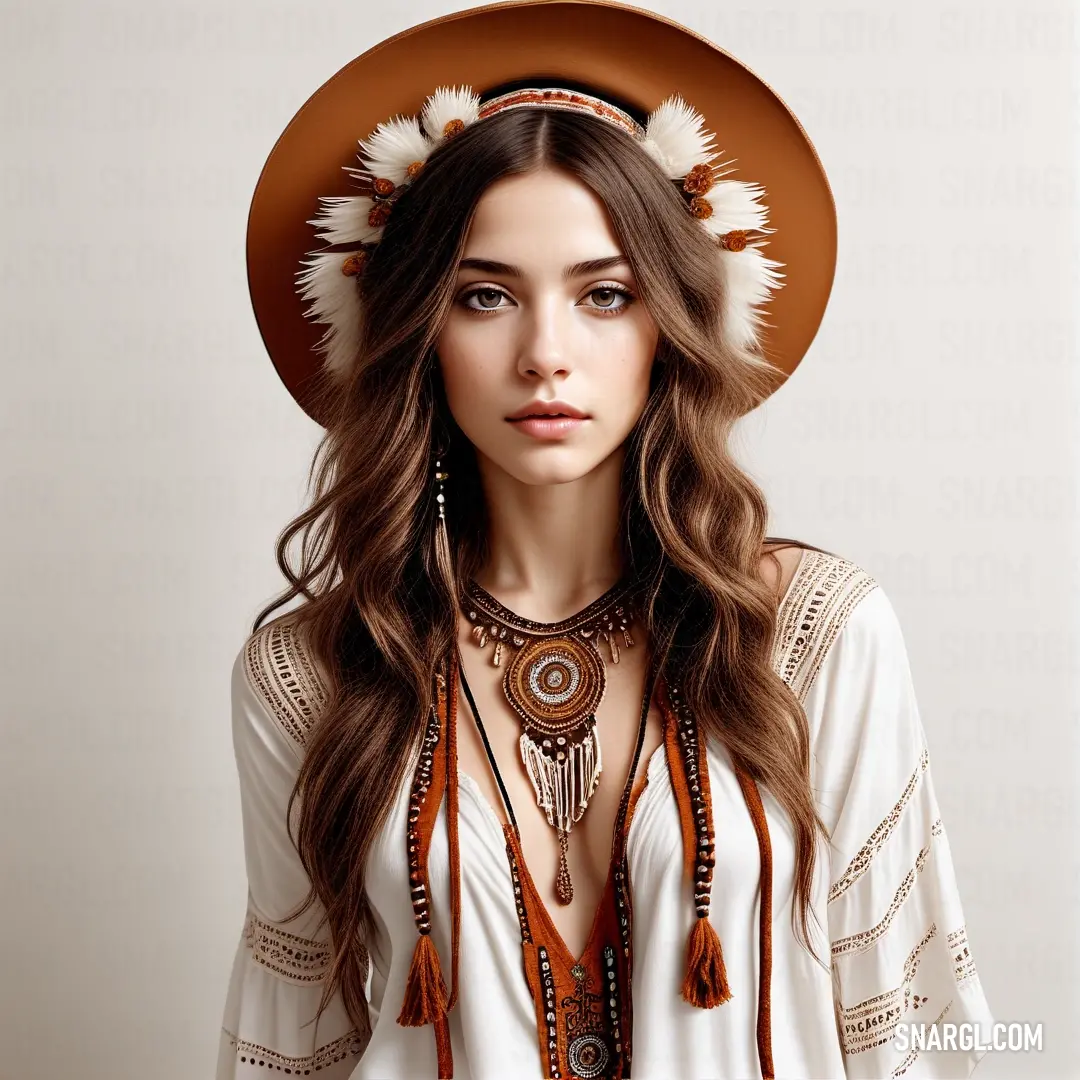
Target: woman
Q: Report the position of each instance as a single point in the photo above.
(586, 775)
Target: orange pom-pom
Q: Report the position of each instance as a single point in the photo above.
(698, 180)
(382, 186)
(354, 264)
(734, 240)
(700, 208)
(378, 215)
(452, 128)
(413, 169)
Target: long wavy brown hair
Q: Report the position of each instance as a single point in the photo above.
(379, 601)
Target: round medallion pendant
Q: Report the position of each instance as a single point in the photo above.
(588, 1056)
(555, 683)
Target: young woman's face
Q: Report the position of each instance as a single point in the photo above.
(530, 330)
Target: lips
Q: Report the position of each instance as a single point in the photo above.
(548, 426)
(536, 409)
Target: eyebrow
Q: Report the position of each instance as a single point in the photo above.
(589, 266)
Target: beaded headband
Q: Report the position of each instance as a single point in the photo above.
(674, 136)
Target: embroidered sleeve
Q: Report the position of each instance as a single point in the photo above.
(900, 952)
(279, 967)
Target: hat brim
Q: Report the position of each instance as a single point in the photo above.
(639, 55)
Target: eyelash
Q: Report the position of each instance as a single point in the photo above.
(605, 312)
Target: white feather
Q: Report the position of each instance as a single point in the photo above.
(675, 137)
(736, 205)
(749, 279)
(392, 147)
(446, 104)
(343, 219)
(334, 300)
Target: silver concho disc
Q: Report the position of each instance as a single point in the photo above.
(588, 1056)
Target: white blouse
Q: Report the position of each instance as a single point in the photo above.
(886, 895)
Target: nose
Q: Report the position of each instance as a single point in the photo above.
(544, 349)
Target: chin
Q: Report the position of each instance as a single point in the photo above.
(548, 465)
(544, 474)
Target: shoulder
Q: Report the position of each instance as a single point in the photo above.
(825, 598)
(778, 564)
(276, 668)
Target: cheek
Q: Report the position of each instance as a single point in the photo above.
(630, 373)
(470, 367)
(458, 358)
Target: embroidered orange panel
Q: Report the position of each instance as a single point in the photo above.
(583, 1004)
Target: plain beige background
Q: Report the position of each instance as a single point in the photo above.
(150, 457)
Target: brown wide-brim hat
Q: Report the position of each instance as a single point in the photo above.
(642, 58)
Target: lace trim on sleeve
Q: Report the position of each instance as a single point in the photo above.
(289, 956)
(856, 943)
(821, 597)
(871, 1022)
(861, 862)
(350, 1045)
(286, 678)
(913, 1054)
(964, 962)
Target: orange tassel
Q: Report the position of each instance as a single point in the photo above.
(706, 984)
(425, 990)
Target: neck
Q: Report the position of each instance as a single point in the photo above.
(554, 548)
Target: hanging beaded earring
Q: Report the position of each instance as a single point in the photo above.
(440, 498)
(442, 537)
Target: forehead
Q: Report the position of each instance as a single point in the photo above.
(537, 215)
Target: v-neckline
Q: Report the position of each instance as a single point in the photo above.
(637, 793)
(632, 789)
